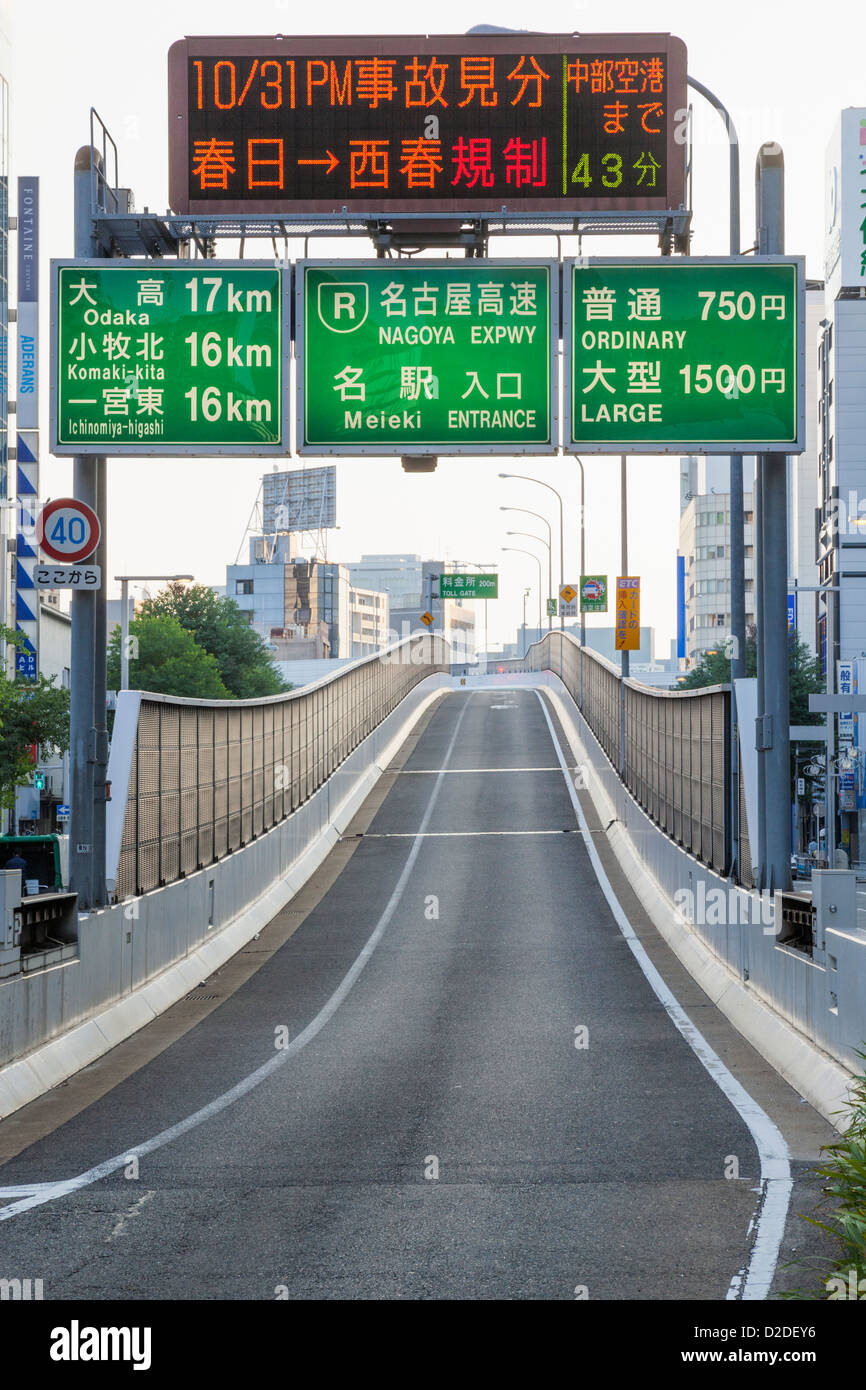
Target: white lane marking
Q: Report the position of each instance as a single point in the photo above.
(453, 771)
(451, 834)
(33, 1195)
(768, 1222)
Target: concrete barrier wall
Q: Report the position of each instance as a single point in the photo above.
(136, 958)
(822, 998)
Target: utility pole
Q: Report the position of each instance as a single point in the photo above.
(88, 732)
(774, 711)
(738, 581)
(624, 655)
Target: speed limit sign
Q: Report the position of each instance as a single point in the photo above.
(67, 530)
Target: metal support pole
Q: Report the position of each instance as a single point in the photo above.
(770, 218)
(124, 634)
(738, 582)
(582, 572)
(829, 781)
(759, 851)
(88, 736)
(624, 656)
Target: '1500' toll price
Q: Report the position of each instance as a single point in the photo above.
(691, 355)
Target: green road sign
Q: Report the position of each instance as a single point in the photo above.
(698, 355)
(469, 586)
(149, 358)
(551, 607)
(593, 593)
(439, 357)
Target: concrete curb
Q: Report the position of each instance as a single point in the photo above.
(820, 1080)
(30, 1076)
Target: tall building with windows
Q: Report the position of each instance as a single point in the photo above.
(705, 544)
(286, 597)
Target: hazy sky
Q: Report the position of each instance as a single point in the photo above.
(784, 71)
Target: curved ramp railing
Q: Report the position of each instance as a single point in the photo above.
(193, 780)
(676, 756)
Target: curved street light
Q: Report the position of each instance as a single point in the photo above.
(518, 550)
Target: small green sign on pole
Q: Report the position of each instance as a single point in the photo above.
(699, 355)
(593, 593)
(149, 358)
(551, 608)
(468, 585)
(443, 357)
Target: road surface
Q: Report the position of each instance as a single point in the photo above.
(494, 1105)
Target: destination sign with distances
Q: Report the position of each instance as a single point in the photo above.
(435, 356)
(698, 355)
(470, 122)
(469, 586)
(150, 358)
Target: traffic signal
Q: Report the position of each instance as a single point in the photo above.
(39, 781)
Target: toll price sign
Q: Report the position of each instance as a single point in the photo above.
(697, 355)
(469, 586)
(438, 356)
(477, 123)
(149, 358)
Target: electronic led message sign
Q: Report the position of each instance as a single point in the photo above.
(490, 123)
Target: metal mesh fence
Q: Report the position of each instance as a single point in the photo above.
(209, 776)
(677, 746)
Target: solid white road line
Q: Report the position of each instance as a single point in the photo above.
(30, 1195)
(768, 1223)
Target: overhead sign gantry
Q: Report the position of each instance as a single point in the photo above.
(474, 124)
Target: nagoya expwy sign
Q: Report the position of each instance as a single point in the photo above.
(150, 358)
(444, 356)
(696, 355)
(479, 123)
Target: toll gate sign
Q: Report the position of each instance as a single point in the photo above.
(453, 123)
(697, 355)
(437, 356)
(150, 358)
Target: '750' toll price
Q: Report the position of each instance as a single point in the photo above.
(698, 355)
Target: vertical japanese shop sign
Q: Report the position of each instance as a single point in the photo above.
(27, 427)
(627, 613)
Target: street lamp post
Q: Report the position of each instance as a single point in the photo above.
(531, 536)
(549, 542)
(125, 580)
(527, 479)
(518, 550)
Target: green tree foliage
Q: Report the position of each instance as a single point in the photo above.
(30, 712)
(219, 626)
(166, 659)
(804, 674)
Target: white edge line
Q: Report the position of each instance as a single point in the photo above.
(35, 1195)
(776, 1182)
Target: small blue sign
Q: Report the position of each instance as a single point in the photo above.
(25, 664)
(63, 812)
(792, 612)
